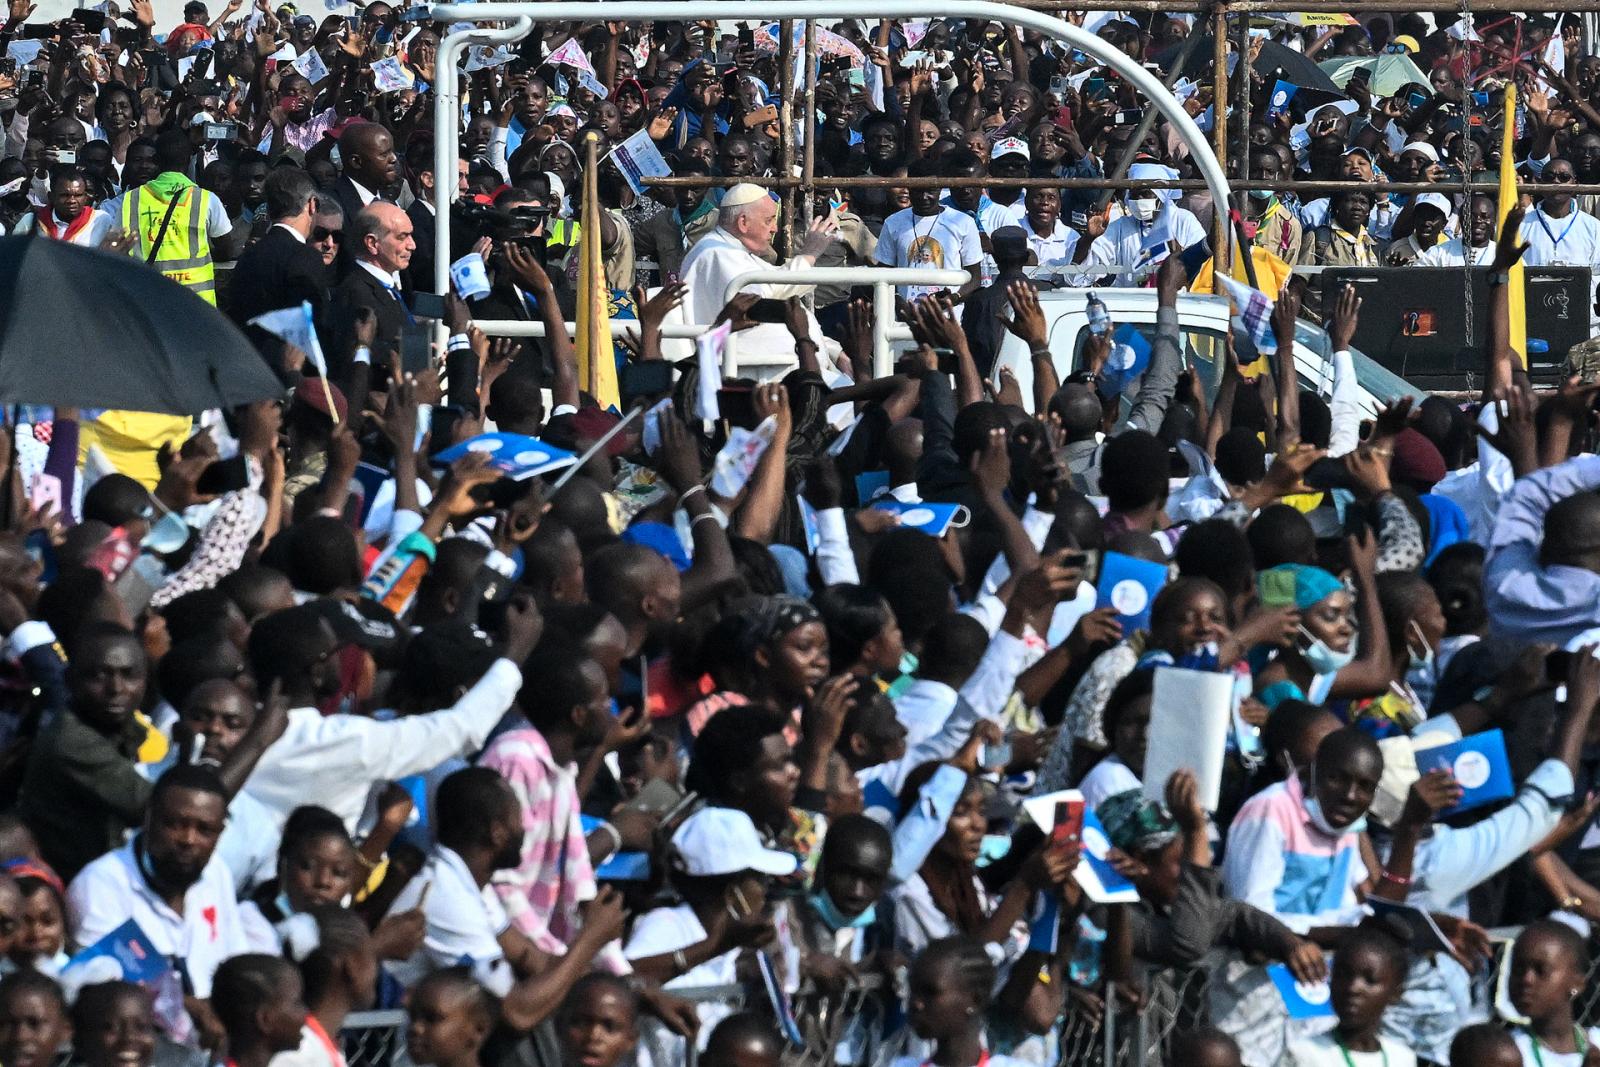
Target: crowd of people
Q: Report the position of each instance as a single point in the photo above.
(717, 740)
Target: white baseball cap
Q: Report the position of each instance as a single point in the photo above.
(718, 841)
(1436, 200)
(1422, 148)
(1006, 146)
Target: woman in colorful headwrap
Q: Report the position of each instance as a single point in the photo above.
(1333, 657)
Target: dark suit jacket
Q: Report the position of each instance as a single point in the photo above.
(360, 289)
(344, 191)
(419, 276)
(277, 272)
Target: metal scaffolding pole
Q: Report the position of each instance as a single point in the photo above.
(1318, 188)
(808, 163)
(1219, 131)
(786, 127)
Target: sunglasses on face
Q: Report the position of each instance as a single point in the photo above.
(322, 233)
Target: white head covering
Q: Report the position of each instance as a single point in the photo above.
(1145, 172)
(742, 194)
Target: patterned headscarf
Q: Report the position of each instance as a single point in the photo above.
(1135, 825)
(767, 619)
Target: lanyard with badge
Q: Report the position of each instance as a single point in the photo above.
(1555, 242)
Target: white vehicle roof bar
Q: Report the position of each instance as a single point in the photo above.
(447, 101)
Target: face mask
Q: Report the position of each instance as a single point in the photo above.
(1143, 210)
(1320, 821)
(836, 919)
(1323, 659)
(167, 534)
(1261, 194)
(1425, 660)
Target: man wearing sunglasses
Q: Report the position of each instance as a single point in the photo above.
(1557, 233)
(282, 269)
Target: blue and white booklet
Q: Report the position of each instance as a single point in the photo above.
(1094, 873)
(931, 519)
(1479, 765)
(869, 483)
(1304, 1000)
(515, 455)
(808, 523)
(1130, 585)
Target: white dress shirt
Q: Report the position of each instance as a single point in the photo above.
(112, 890)
(333, 760)
(465, 922)
(1453, 253)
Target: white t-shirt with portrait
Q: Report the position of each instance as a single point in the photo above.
(946, 241)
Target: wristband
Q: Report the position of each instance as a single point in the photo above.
(616, 837)
(689, 492)
(458, 342)
(1394, 879)
(1042, 352)
(1501, 277)
(363, 354)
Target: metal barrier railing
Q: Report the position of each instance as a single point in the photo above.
(1175, 999)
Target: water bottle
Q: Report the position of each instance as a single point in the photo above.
(1099, 320)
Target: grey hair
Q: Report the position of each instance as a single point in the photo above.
(728, 217)
(287, 191)
(329, 208)
(368, 223)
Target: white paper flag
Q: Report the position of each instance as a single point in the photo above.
(311, 66)
(708, 350)
(482, 57)
(390, 75)
(638, 158)
(294, 326)
(571, 54)
(737, 461)
(593, 84)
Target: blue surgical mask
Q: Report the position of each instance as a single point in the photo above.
(1423, 662)
(1322, 659)
(1261, 194)
(836, 919)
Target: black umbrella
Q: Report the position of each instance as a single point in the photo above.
(89, 329)
(1297, 69)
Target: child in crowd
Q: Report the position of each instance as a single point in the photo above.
(261, 1004)
(1484, 1045)
(34, 1027)
(951, 984)
(1549, 965)
(743, 1039)
(1368, 971)
(41, 940)
(599, 1022)
(1203, 1047)
(113, 1026)
(448, 1019)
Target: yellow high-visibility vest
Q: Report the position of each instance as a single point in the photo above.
(185, 252)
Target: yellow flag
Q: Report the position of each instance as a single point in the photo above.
(1515, 294)
(597, 365)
